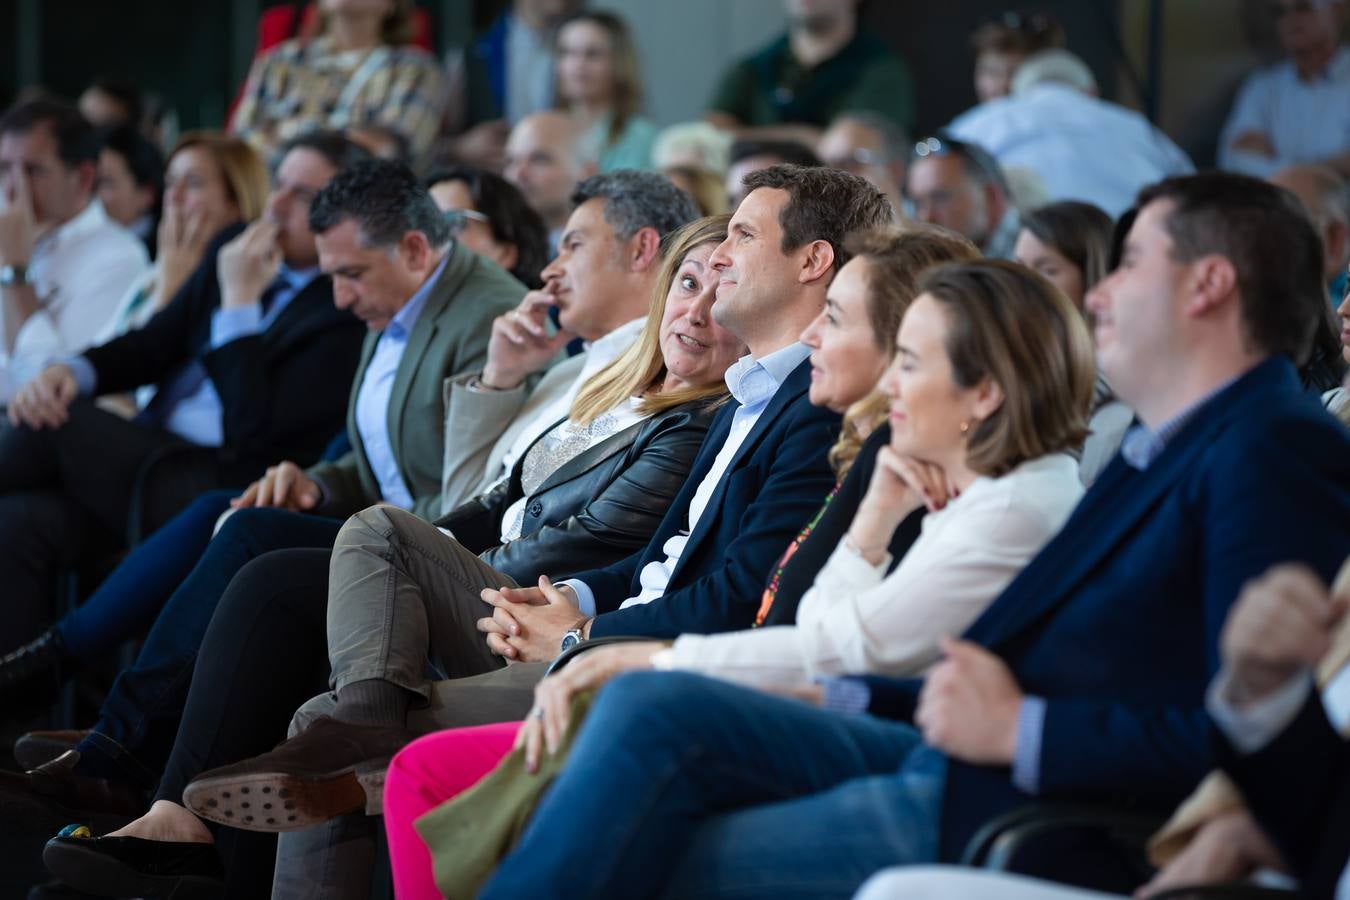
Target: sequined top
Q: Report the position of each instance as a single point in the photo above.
(557, 447)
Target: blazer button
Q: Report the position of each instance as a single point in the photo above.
(536, 509)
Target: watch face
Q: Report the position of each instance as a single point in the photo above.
(570, 640)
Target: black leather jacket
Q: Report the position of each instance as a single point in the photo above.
(597, 508)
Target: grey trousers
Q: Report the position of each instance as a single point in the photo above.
(400, 593)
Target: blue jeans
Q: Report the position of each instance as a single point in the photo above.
(685, 784)
(140, 717)
(128, 599)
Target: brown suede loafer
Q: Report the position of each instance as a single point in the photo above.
(308, 779)
(38, 747)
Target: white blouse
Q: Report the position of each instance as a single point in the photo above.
(855, 618)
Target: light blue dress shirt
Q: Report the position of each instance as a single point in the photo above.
(377, 386)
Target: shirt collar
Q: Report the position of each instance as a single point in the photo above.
(297, 279)
(753, 382)
(88, 219)
(1142, 445)
(619, 338)
(401, 325)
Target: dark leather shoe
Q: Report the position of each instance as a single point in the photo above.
(133, 867)
(38, 747)
(56, 782)
(308, 779)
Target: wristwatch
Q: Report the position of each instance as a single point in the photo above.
(13, 275)
(574, 635)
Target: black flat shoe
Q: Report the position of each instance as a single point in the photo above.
(134, 867)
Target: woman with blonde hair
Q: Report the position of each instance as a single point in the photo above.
(599, 82)
(358, 72)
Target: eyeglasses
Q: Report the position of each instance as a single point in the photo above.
(459, 219)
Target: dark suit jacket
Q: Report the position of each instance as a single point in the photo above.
(449, 337)
(282, 392)
(774, 484)
(1298, 787)
(1116, 621)
(597, 508)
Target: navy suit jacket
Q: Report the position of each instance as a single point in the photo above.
(777, 480)
(1298, 787)
(1116, 621)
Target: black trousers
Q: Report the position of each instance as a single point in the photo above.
(264, 654)
(66, 497)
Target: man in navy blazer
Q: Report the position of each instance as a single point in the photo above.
(1083, 681)
(762, 470)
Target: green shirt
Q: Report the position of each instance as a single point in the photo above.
(772, 87)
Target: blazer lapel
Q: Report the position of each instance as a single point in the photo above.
(309, 311)
(421, 337)
(1115, 507)
(796, 384)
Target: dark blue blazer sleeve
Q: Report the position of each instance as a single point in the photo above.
(766, 502)
(1241, 501)
(891, 698)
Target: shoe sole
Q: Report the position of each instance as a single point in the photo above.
(98, 874)
(273, 801)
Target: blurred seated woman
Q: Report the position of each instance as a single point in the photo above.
(131, 181)
(1070, 244)
(359, 71)
(989, 389)
(492, 219)
(598, 82)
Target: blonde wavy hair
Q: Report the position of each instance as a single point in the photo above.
(896, 256)
(641, 368)
(245, 174)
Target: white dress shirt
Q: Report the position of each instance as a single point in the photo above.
(1081, 148)
(1306, 121)
(79, 271)
(856, 618)
(752, 384)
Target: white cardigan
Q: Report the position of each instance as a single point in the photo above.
(855, 618)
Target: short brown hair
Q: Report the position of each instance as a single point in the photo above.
(1077, 231)
(1265, 232)
(1022, 33)
(823, 205)
(897, 256)
(1011, 325)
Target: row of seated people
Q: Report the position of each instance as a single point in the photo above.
(969, 492)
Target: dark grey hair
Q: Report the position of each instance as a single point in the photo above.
(636, 200)
(386, 200)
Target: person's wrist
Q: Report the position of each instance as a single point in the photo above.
(495, 379)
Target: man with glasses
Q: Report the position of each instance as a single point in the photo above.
(959, 186)
(1297, 111)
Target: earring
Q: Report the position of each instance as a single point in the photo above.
(965, 427)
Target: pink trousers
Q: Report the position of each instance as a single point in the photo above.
(422, 776)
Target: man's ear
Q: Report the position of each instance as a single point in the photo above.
(1212, 283)
(415, 250)
(644, 249)
(817, 262)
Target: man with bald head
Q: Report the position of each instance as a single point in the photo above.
(547, 156)
(1326, 196)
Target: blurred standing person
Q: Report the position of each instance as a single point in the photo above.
(823, 65)
(503, 76)
(599, 82)
(358, 72)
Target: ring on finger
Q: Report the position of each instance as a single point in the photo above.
(537, 713)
